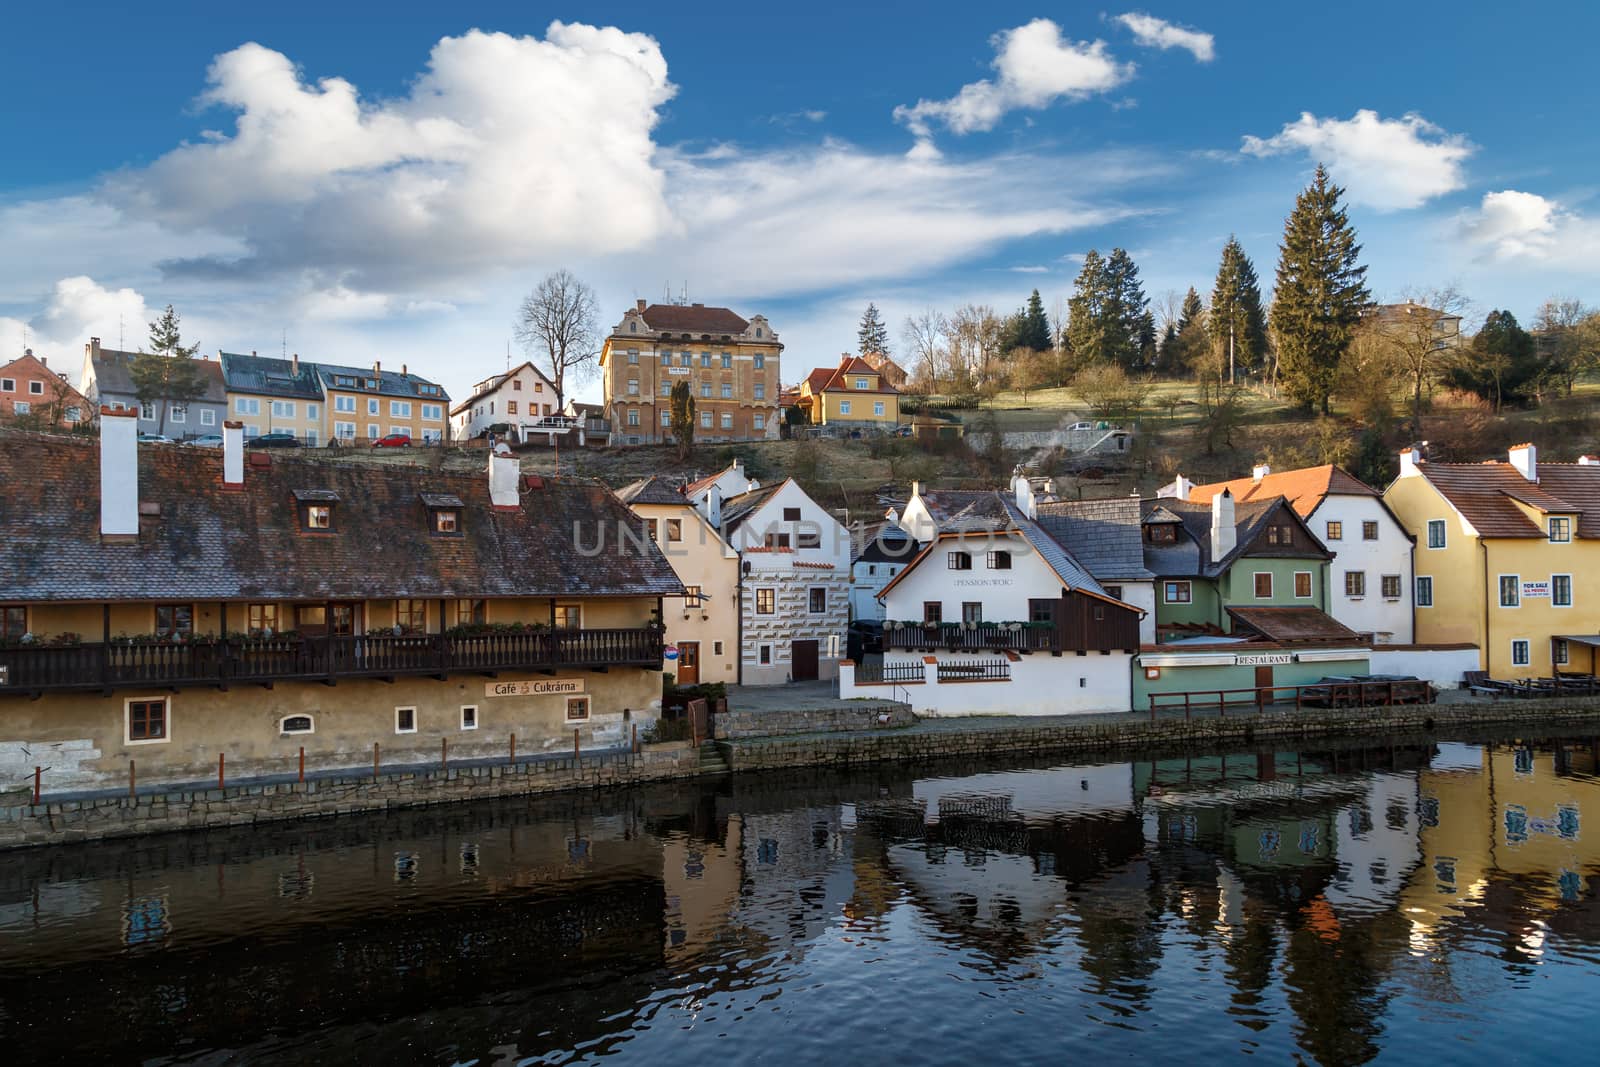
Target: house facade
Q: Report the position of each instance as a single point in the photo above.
(521, 399)
(220, 601)
(364, 404)
(1505, 552)
(105, 382)
(730, 363)
(853, 393)
(994, 615)
(881, 551)
(269, 395)
(703, 628)
(31, 391)
(1370, 587)
(794, 582)
(1104, 536)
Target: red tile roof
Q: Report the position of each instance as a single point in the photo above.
(693, 318)
(834, 377)
(1486, 495)
(1304, 488)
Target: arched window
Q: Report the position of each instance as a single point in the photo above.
(297, 724)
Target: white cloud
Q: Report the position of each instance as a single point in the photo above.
(1513, 225)
(1386, 164)
(78, 308)
(1034, 68)
(1159, 33)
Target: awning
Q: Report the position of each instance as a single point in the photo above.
(1592, 640)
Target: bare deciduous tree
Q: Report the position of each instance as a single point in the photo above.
(1421, 334)
(924, 337)
(558, 325)
(1568, 334)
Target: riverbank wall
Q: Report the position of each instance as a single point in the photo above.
(90, 817)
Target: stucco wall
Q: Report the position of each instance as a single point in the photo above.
(1389, 554)
(1443, 667)
(1040, 684)
(1206, 680)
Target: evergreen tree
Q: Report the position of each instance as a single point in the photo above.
(1033, 330)
(1125, 311)
(1236, 309)
(1320, 292)
(1147, 340)
(168, 373)
(1500, 364)
(873, 334)
(1193, 311)
(1087, 310)
(681, 403)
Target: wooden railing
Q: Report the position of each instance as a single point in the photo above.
(981, 638)
(1330, 694)
(25, 670)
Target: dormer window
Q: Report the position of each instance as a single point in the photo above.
(861, 383)
(447, 521)
(319, 516)
(1161, 533)
(316, 509)
(372, 383)
(444, 513)
(1560, 529)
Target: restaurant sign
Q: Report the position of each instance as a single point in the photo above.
(1263, 659)
(535, 688)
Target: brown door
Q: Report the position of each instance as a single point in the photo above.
(1264, 685)
(803, 661)
(688, 662)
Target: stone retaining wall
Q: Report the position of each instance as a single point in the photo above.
(867, 716)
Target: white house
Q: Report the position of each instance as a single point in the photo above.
(1370, 583)
(794, 580)
(994, 615)
(522, 398)
(881, 551)
(729, 482)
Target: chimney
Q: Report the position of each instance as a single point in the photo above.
(1224, 531)
(44, 361)
(504, 474)
(377, 368)
(92, 349)
(1259, 471)
(738, 470)
(711, 507)
(639, 306)
(1408, 462)
(233, 455)
(402, 370)
(892, 517)
(294, 363)
(1022, 489)
(119, 473)
(1525, 458)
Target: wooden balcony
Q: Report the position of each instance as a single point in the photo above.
(319, 659)
(989, 637)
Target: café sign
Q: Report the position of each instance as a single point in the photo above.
(535, 687)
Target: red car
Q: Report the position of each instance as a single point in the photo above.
(394, 440)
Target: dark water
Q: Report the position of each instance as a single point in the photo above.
(1415, 900)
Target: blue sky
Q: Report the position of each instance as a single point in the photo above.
(794, 164)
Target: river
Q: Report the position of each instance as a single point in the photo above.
(1416, 899)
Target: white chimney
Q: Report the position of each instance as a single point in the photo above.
(1224, 531)
(892, 516)
(1408, 462)
(711, 506)
(1526, 459)
(504, 474)
(1177, 489)
(119, 473)
(1259, 471)
(1023, 489)
(233, 455)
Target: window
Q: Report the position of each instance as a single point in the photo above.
(469, 716)
(683, 359)
(405, 720)
(74, 413)
(844, 407)
(633, 416)
(777, 540)
(13, 622)
(1510, 591)
(1161, 533)
(1041, 610)
(148, 413)
(958, 561)
(471, 612)
(705, 360)
(633, 359)
(296, 724)
(791, 514)
(1000, 561)
(1561, 590)
(691, 596)
(36, 388)
(411, 615)
(727, 361)
(1177, 592)
(372, 406)
(569, 616)
(758, 422)
(1391, 586)
(262, 617)
(810, 537)
(178, 412)
(1280, 535)
(319, 516)
(705, 420)
(174, 620)
(766, 601)
(1113, 591)
(283, 409)
(1355, 583)
(633, 387)
(447, 521)
(971, 612)
(666, 389)
(1263, 585)
(705, 390)
(716, 648)
(1424, 591)
(817, 600)
(403, 431)
(246, 405)
(345, 431)
(674, 530)
(759, 360)
(932, 611)
(577, 709)
(146, 720)
(1302, 585)
(1369, 530)
(861, 383)
(727, 390)
(345, 379)
(877, 408)
(760, 391)
(344, 403)
(1519, 652)
(399, 409)
(1560, 530)
(8, 385)
(22, 407)
(511, 405)
(208, 417)
(666, 417)
(727, 420)
(311, 412)
(764, 655)
(1435, 533)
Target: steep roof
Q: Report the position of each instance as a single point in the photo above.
(882, 542)
(1294, 624)
(966, 509)
(389, 382)
(834, 377)
(1104, 535)
(1485, 493)
(28, 363)
(1192, 553)
(112, 375)
(496, 382)
(270, 376)
(693, 318)
(1303, 488)
(655, 489)
(736, 509)
(212, 544)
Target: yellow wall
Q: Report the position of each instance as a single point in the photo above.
(861, 402)
(650, 372)
(702, 559)
(384, 420)
(302, 423)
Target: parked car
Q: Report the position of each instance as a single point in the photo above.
(394, 440)
(902, 431)
(276, 439)
(1081, 426)
(206, 440)
(154, 438)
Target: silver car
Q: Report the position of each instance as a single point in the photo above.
(206, 440)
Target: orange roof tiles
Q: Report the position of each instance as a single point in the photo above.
(1303, 488)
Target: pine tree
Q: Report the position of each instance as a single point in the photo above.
(681, 403)
(1033, 331)
(1086, 311)
(167, 373)
(1193, 310)
(1125, 311)
(873, 334)
(1236, 309)
(1147, 339)
(1320, 292)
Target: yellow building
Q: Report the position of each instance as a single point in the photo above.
(272, 395)
(1504, 558)
(731, 365)
(853, 392)
(369, 404)
(705, 626)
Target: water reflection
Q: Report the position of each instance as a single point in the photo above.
(1330, 903)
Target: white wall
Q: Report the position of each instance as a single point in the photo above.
(791, 574)
(1390, 620)
(865, 587)
(1004, 594)
(1442, 667)
(1141, 595)
(1040, 684)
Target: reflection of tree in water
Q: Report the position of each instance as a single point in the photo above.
(1119, 929)
(1336, 982)
(1249, 953)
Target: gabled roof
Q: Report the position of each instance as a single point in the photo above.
(818, 380)
(269, 376)
(111, 375)
(655, 489)
(1192, 555)
(1486, 494)
(885, 544)
(824, 378)
(28, 363)
(693, 318)
(208, 543)
(1304, 488)
(1294, 624)
(736, 509)
(702, 484)
(496, 382)
(966, 509)
(1104, 535)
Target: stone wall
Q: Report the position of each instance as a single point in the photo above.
(864, 716)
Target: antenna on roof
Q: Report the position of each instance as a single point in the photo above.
(120, 346)
(286, 342)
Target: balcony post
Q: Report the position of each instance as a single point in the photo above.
(105, 645)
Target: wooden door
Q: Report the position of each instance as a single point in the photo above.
(1264, 685)
(803, 661)
(688, 662)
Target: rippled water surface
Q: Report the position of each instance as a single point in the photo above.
(1416, 900)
